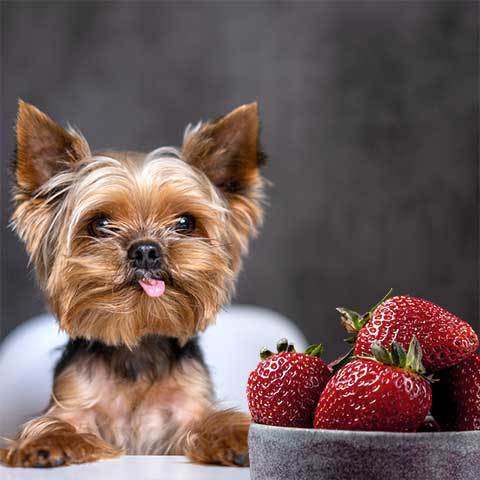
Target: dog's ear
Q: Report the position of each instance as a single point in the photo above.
(227, 150)
(44, 148)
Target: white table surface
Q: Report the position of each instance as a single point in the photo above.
(129, 467)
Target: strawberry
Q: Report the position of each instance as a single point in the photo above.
(445, 338)
(385, 393)
(285, 387)
(456, 396)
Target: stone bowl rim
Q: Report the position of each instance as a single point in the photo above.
(365, 433)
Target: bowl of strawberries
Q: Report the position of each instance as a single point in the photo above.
(403, 403)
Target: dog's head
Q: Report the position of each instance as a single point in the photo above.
(127, 244)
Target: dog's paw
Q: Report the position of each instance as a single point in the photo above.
(57, 449)
(220, 438)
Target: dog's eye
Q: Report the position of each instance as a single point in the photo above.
(99, 226)
(185, 224)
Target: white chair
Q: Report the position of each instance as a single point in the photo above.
(231, 348)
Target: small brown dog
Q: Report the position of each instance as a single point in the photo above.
(136, 254)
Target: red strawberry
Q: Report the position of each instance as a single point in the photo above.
(284, 388)
(456, 396)
(445, 339)
(384, 393)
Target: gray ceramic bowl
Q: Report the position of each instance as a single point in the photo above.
(280, 453)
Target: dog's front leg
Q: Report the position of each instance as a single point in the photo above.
(51, 442)
(219, 437)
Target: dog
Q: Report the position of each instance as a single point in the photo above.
(135, 254)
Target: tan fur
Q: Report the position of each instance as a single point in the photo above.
(98, 413)
(219, 437)
(89, 284)
(86, 279)
(138, 418)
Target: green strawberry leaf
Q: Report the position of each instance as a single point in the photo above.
(384, 299)
(265, 353)
(282, 345)
(351, 321)
(350, 340)
(314, 350)
(414, 357)
(347, 358)
(381, 354)
(399, 356)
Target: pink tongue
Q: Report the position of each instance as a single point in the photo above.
(153, 288)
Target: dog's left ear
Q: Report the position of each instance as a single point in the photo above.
(227, 150)
(44, 148)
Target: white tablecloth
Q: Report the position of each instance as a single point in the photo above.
(130, 467)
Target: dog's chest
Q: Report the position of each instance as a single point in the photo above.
(149, 417)
(146, 419)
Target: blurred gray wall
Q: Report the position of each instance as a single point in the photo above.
(370, 120)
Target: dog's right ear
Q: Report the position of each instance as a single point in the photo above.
(44, 148)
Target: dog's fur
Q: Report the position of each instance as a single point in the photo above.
(132, 378)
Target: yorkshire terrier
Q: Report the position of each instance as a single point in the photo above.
(135, 253)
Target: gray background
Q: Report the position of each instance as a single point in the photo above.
(370, 120)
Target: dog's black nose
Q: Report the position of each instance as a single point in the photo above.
(145, 255)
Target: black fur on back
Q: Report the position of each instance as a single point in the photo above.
(153, 358)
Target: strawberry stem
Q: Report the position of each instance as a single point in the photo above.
(384, 299)
(284, 346)
(397, 357)
(352, 321)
